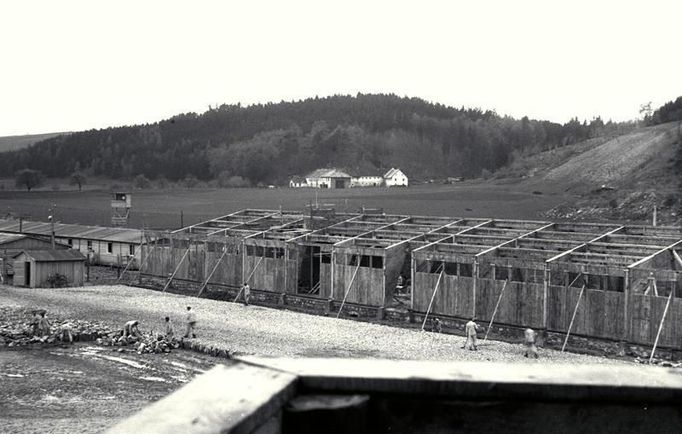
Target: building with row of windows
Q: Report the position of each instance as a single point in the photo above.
(335, 178)
(102, 245)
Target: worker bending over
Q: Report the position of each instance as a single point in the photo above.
(131, 329)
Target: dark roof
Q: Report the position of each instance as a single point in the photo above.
(8, 238)
(62, 230)
(53, 255)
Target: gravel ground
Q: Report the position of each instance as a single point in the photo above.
(269, 332)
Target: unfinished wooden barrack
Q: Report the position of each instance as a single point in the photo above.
(590, 279)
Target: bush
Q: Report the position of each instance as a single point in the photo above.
(57, 280)
(141, 182)
(234, 182)
(162, 183)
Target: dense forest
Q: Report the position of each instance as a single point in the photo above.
(268, 143)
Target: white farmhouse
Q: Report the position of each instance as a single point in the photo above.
(367, 181)
(328, 178)
(395, 178)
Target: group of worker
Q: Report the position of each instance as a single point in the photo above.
(42, 328)
(131, 328)
(471, 330)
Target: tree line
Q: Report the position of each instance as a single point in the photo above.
(268, 143)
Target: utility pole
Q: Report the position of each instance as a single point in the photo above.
(51, 219)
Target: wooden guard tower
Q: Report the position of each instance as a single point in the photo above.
(121, 202)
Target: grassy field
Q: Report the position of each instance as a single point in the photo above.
(162, 208)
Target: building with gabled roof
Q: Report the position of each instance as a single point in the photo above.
(35, 268)
(395, 178)
(328, 178)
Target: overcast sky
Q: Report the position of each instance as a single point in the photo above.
(75, 65)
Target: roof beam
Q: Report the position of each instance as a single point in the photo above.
(652, 256)
(189, 228)
(362, 235)
(569, 251)
(432, 231)
(513, 240)
(248, 222)
(487, 222)
(316, 231)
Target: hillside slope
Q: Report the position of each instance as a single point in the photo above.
(620, 177)
(13, 143)
(619, 162)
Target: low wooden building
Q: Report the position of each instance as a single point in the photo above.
(105, 246)
(12, 244)
(35, 268)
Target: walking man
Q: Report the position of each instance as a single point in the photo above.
(471, 329)
(191, 323)
(247, 293)
(529, 342)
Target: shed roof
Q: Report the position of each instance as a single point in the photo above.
(62, 230)
(53, 255)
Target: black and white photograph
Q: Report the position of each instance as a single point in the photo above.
(340, 217)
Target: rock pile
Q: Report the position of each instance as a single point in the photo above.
(16, 329)
(144, 343)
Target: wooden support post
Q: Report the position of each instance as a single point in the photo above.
(660, 326)
(124, 270)
(475, 284)
(546, 279)
(170, 279)
(243, 249)
(575, 311)
(495, 310)
(677, 258)
(215, 267)
(626, 305)
(248, 278)
(433, 296)
(286, 266)
(413, 264)
(332, 271)
(350, 285)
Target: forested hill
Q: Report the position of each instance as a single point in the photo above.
(269, 143)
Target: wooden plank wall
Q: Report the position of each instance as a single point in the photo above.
(599, 314)
(521, 303)
(366, 287)
(269, 275)
(454, 296)
(74, 272)
(647, 311)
